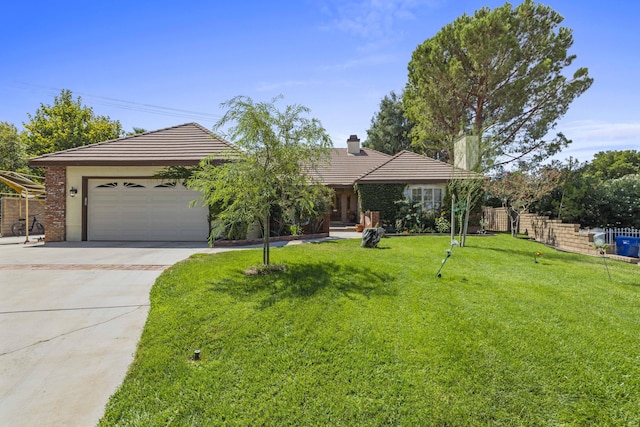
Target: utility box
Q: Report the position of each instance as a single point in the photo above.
(627, 246)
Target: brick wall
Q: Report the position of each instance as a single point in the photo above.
(13, 208)
(55, 212)
(370, 219)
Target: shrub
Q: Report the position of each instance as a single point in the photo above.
(412, 218)
(443, 225)
(623, 202)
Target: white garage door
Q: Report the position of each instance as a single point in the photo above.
(144, 210)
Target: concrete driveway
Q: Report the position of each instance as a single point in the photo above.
(71, 315)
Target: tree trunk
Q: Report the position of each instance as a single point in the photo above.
(266, 237)
(453, 217)
(465, 225)
(514, 216)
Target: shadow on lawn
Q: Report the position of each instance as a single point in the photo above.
(307, 280)
(575, 260)
(517, 252)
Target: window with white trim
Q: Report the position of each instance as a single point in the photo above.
(429, 197)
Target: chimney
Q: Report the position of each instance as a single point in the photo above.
(353, 145)
(465, 153)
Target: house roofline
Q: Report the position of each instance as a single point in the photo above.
(403, 181)
(46, 163)
(50, 159)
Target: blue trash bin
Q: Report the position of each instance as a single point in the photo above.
(627, 246)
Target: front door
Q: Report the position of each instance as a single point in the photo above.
(345, 206)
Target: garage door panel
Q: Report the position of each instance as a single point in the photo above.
(143, 209)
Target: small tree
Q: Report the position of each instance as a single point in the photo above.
(520, 189)
(277, 151)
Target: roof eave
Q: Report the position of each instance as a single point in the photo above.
(150, 162)
(403, 181)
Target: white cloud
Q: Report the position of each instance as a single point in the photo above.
(590, 137)
(591, 130)
(371, 19)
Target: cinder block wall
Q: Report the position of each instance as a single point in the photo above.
(554, 233)
(55, 212)
(13, 208)
(551, 232)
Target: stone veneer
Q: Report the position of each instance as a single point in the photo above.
(55, 210)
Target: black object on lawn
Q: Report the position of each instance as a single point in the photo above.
(449, 251)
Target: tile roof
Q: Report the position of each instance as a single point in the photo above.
(343, 169)
(407, 167)
(182, 145)
(188, 144)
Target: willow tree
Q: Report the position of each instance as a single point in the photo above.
(272, 167)
(499, 76)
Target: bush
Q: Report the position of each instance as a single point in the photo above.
(413, 219)
(593, 203)
(443, 225)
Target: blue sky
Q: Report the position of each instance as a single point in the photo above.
(337, 57)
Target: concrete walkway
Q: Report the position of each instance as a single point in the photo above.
(71, 315)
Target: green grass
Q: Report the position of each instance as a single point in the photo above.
(363, 337)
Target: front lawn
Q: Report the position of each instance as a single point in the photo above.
(362, 337)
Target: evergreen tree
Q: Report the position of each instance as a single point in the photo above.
(390, 130)
(498, 75)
